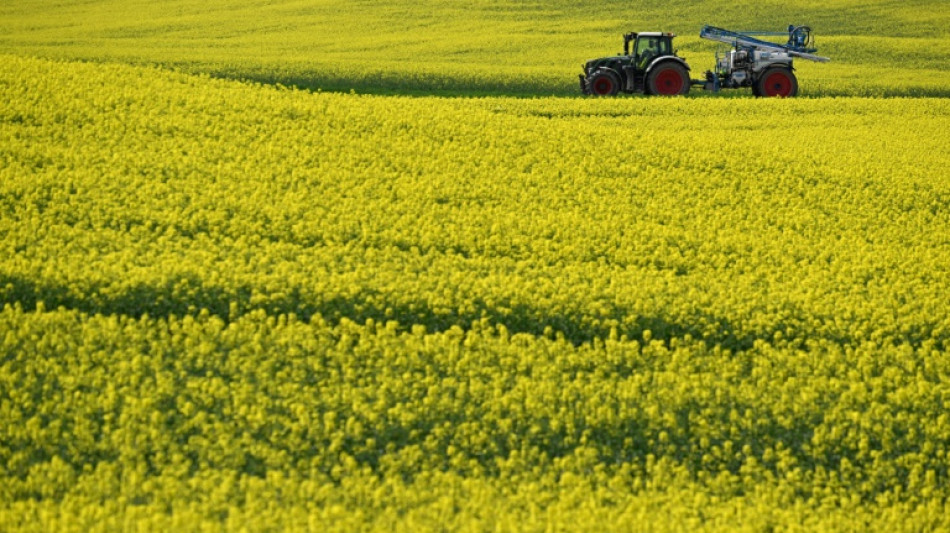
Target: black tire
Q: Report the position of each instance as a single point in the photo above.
(777, 81)
(668, 79)
(603, 83)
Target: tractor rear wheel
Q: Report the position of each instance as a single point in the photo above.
(668, 79)
(777, 81)
(604, 83)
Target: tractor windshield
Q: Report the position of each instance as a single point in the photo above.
(651, 47)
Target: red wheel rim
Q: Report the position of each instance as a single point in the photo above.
(603, 85)
(669, 82)
(778, 84)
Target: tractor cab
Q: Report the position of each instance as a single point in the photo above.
(649, 46)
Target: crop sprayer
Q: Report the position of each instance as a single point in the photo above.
(652, 66)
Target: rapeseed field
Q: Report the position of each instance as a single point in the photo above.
(228, 305)
(476, 47)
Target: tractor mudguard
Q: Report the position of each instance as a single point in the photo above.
(610, 69)
(661, 59)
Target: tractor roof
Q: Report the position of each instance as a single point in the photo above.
(655, 34)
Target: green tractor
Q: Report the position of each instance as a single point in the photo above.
(652, 68)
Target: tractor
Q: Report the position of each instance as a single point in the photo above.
(654, 67)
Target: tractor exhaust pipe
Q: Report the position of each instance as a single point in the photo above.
(627, 37)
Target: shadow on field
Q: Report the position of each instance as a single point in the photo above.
(190, 296)
(635, 439)
(451, 87)
(392, 86)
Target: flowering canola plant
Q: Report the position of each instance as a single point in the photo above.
(229, 306)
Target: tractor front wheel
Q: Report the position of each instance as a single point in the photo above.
(779, 82)
(603, 83)
(668, 79)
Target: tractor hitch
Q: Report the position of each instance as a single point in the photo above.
(712, 82)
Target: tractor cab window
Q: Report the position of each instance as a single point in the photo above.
(651, 47)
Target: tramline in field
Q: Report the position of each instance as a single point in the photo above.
(653, 67)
